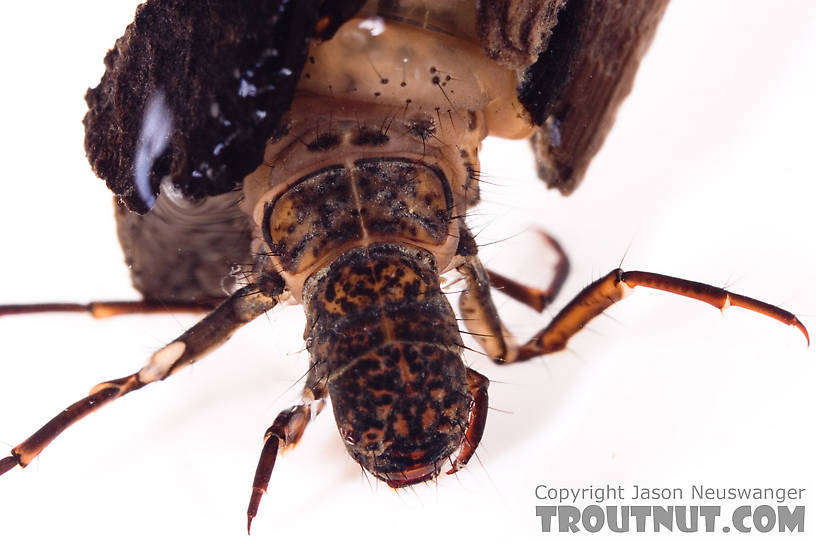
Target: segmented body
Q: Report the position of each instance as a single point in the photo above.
(365, 236)
(358, 206)
(394, 412)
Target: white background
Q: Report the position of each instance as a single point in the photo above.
(708, 175)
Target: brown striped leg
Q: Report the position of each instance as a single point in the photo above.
(480, 315)
(477, 384)
(284, 432)
(477, 307)
(601, 294)
(242, 307)
(537, 299)
(102, 309)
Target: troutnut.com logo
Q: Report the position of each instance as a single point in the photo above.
(692, 509)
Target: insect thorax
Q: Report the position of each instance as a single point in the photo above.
(358, 207)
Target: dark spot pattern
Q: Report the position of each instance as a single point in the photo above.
(395, 198)
(404, 198)
(312, 217)
(421, 127)
(385, 340)
(370, 137)
(324, 142)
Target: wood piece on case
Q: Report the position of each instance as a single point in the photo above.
(572, 92)
(207, 42)
(515, 32)
(184, 249)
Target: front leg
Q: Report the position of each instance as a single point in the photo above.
(480, 315)
(476, 304)
(537, 299)
(285, 432)
(477, 385)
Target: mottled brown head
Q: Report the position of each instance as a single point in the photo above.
(385, 340)
(402, 410)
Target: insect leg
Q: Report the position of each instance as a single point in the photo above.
(601, 294)
(477, 384)
(537, 299)
(479, 313)
(476, 304)
(242, 307)
(101, 309)
(286, 431)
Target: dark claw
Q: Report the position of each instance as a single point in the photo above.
(8, 463)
